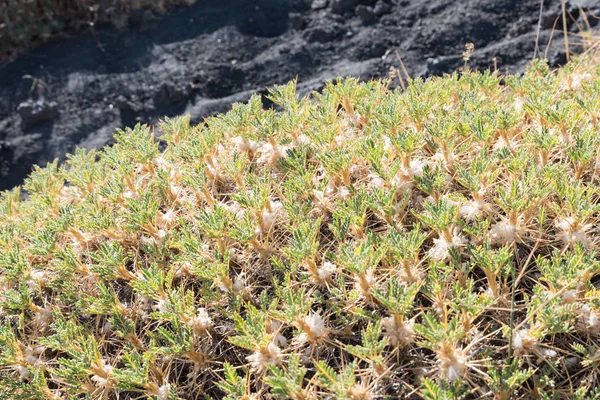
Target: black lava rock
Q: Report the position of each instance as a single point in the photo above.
(297, 21)
(343, 6)
(324, 33)
(168, 93)
(382, 8)
(318, 4)
(366, 14)
(35, 112)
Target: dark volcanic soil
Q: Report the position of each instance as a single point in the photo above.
(77, 91)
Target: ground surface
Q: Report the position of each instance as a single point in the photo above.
(77, 90)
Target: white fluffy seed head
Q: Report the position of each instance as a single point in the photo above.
(32, 354)
(263, 356)
(164, 392)
(414, 274)
(69, 195)
(503, 233)
(314, 330)
(271, 214)
(503, 142)
(23, 371)
(453, 363)
(201, 322)
(399, 333)
(441, 248)
(274, 329)
(343, 193)
(42, 318)
(576, 79)
(270, 154)
(588, 320)
(239, 285)
(162, 305)
(376, 181)
(570, 296)
(326, 271)
(364, 282)
(167, 219)
(244, 144)
(523, 342)
(473, 209)
(572, 232)
(99, 381)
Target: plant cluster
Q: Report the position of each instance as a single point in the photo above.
(437, 242)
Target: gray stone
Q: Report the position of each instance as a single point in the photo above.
(318, 4)
(382, 8)
(297, 22)
(168, 93)
(366, 14)
(35, 112)
(323, 34)
(573, 5)
(343, 6)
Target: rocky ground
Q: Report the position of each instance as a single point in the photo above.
(77, 90)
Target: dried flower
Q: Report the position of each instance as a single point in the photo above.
(314, 330)
(265, 355)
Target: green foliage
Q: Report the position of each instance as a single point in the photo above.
(362, 243)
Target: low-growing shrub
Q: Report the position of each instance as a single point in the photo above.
(438, 242)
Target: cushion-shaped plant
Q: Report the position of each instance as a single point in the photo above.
(436, 242)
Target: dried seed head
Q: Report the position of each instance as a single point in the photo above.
(473, 209)
(453, 362)
(42, 318)
(201, 322)
(503, 232)
(469, 49)
(573, 232)
(314, 330)
(359, 392)
(364, 282)
(441, 248)
(270, 154)
(273, 329)
(263, 356)
(166, 220)
(24, 373)
(326, 271)
(164, 392)
(399, 333)
(523, 342)
(588, 320)
(69, 195)
(32, 354)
